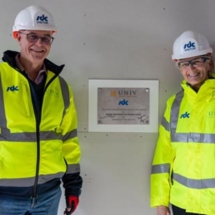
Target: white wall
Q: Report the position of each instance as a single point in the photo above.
(116, 39)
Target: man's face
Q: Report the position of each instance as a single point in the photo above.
(195, 70)
(34, 45)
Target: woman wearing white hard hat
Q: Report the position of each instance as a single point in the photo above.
(183, 173)
(39, 146)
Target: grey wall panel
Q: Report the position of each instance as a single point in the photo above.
(116, 39)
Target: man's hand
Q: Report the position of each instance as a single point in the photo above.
(163, 210)
(71, 204)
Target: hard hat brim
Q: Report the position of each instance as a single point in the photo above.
(192, 54)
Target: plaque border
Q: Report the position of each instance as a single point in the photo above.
(94, 84)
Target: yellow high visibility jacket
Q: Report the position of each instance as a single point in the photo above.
(183, 170)
(36, 150)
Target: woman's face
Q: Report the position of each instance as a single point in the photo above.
(195, 70)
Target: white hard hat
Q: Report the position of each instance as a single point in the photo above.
(34, 18)
(190, 44)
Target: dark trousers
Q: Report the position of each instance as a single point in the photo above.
(180, 211)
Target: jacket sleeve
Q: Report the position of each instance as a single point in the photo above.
(72, 181)
(162, 162)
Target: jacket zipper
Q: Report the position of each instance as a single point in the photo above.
(38, 120)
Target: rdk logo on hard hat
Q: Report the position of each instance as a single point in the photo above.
(42, 19)
(189, 46)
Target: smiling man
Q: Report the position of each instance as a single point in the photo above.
(183, 173)
(39, 146)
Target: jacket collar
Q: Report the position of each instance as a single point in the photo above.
(9, 57)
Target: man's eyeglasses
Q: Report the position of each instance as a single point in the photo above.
(33, 38)
(195, 62)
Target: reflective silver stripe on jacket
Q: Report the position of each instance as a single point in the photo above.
(70, 135)
(2, 112)
(194, 183)
(31, 137)
(66, 99)
(183, 137)
(27, 182)
(189, 137)
(65, 92)
(165, 124)
(6, 135)
(193, 137)
(175, 111)
(73, 168)
(161, 168)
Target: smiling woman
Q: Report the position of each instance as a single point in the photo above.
(181, 172)
(196, 71)
(192, 54)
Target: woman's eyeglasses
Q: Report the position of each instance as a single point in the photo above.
(195, 62)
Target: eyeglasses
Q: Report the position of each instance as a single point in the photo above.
(195, 62)
(33, 38)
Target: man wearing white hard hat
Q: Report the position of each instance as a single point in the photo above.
(183, 173)
(39, 146)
